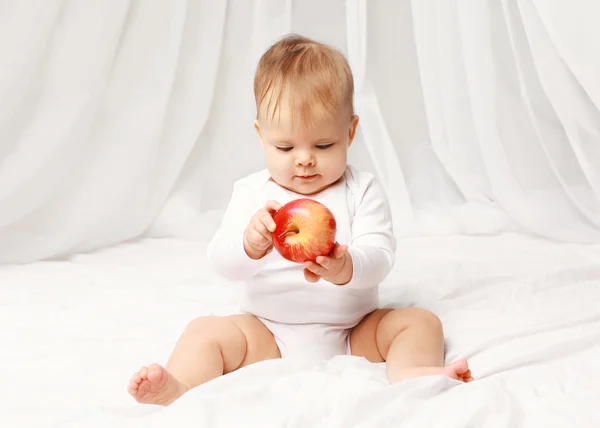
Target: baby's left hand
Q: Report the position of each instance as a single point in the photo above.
(335, 268)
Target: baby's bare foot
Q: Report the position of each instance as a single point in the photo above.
(155, 385)
(458, 370)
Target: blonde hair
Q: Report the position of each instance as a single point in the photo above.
(315, 79)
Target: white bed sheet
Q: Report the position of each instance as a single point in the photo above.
(525, 312)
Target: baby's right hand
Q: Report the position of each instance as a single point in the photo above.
(258, 240)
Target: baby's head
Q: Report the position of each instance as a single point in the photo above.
(305, 116)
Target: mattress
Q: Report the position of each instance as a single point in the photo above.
(525, 312)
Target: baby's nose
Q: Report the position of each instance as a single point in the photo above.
(305, 159)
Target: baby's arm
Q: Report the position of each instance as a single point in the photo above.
(370, 256)
(226, 251)
(373, 246)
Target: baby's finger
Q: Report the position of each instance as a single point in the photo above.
(262, 229)
(272, 206)
(339, 250)
(311, 277)
(258, 240)
(324, 261)
(267, 221)
(314, 268)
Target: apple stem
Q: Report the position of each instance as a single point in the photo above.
(288, 231)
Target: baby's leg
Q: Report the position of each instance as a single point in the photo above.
(208, 348)
(410, 340)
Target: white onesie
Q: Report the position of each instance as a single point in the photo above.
(309, 320)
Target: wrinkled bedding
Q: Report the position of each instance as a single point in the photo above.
(525, 312)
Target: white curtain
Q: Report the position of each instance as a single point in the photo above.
(122, 119)
(512, 99)
(102, 102)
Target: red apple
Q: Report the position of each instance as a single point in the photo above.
(305, 230)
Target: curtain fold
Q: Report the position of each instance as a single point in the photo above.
(110, 110)
(124, 119)
(372, 125)
(508, 117)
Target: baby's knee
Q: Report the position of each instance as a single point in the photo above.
(204, 323)
(405, 318)
(211, 328)
(425, 319)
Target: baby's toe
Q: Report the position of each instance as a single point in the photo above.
(155, 373)
(143, 373)
(460, 366)
(134, 385)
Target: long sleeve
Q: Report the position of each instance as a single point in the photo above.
(373, 243)
(226, 252)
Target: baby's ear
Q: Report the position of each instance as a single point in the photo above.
(352, 131)
(257, 129)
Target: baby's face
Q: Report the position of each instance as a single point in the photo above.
(306, 159)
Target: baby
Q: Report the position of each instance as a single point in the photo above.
(305, 123)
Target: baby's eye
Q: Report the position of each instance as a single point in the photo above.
(284, 149)
(324, 146)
